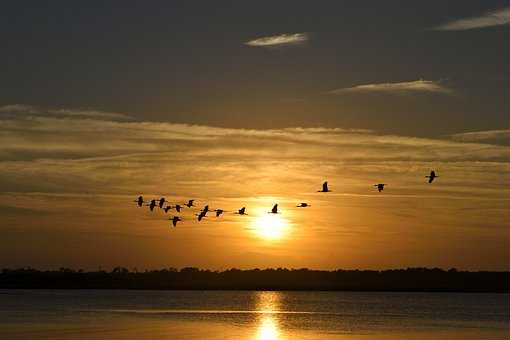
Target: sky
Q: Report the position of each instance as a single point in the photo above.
(251, 104)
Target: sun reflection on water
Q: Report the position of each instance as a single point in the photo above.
(268, 329)
(268, 324)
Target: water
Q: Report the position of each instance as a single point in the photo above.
(122, 314)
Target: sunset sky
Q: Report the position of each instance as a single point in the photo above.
(250, 104)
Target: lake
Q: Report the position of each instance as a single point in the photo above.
(128, 314)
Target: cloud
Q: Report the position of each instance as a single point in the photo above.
(71, 153)
(481, 136)
(279, 40)
(17, 110)
(73, 136)
(489, 19)
(426, 86)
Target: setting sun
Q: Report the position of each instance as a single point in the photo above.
(270, 226)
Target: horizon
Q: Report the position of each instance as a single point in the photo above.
(212, 270)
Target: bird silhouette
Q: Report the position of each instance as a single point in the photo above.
(324, 187)
(174, 220)
(274, 210)
(139, 201)
(161, 202)
(379, 186)
(218, 212)
(431, 176)
(242, 211)
(201, 215)
(168, 207)
(178, 207)
(303, 205)
(190, 203)
(152, 205)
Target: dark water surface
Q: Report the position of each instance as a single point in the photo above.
(124, 314)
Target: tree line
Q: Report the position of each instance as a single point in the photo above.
(410, 279)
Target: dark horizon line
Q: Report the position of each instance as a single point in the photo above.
(190, 278)
(207, 270)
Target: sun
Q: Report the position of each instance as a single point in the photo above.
(270, 226)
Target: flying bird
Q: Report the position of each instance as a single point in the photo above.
(161, 202)
(174, 220)
(206, 209)
(168, 207)
(139, 201)
(274, 210)
(152, 205)
(432, 176)
(218, 212)
(303, 205)
(379, 186)
(178, 207)
(190, 203)
(324, 187)
(242, 211)
(201, 215)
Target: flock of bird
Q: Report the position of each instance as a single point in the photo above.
(203, 213)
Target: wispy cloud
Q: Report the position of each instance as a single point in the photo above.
(489, 19)
(279, 40)
(19, 110)
(401, 87)
(482, 136)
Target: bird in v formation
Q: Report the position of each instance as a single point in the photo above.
(242, 211)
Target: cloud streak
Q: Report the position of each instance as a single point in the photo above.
(19, 110)
(279, 40)
(424, 86)
(482, 136)
(490, 19)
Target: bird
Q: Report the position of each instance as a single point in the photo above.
(161, 202)
(432, 176)
(190, 203)
(324, 187)
(168, 207)
(218, 212)
(178, 207)
(274, 210)
(303, 205)
(152, 205)
(174, 220)
(379, 186)
(201, 215)
(205, 210)
(242, 211)
(139, 201)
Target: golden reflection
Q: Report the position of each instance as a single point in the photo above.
(268, 304)
(270, 226)
(268, 329)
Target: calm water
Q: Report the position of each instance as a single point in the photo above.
(120, 314)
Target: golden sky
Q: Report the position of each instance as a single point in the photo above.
(252, 104)
(68, 179)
